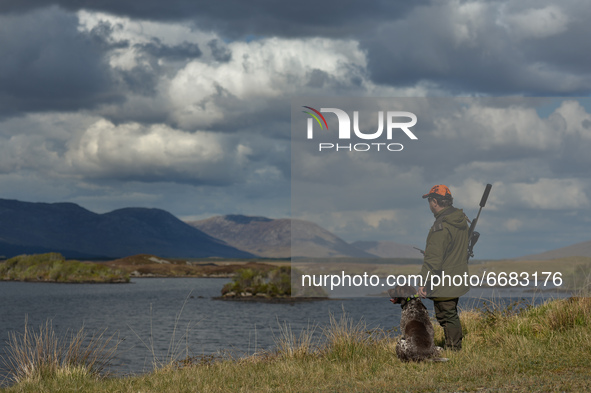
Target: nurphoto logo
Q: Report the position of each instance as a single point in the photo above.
(395, 121)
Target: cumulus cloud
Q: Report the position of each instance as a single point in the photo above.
(95, 151)
(496, 127)
(155, 153)
(577, 119)
(536, 22)
(36, 142)
(130, 38)
(541, 194)
(204, 93)
(550, 194)
(192, 79)
(518, 140)
(469, 46)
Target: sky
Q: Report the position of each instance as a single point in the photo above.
(188, 106)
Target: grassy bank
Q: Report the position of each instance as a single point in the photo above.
(53, 267)
(541, 349)
(145, 265)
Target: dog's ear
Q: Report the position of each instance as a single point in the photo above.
(393, 292)
(406, 291)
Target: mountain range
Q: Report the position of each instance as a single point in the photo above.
(79, 233)
(273, 238)
(30, 228)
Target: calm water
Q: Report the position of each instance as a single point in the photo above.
(180, 311)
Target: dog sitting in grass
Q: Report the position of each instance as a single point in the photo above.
(416, 343)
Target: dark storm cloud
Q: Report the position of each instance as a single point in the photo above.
(237, 18)
(143, 78)
(139, 80)
(47, 64)
(183, 51)
(482, 47)
(570, 50)
(219, 51)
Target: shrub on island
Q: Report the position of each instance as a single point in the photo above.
(274, 283)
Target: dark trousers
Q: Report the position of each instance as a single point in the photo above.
(446, 312)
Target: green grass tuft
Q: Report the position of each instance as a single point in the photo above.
(38, 355)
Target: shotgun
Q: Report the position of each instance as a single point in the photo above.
(472, 234)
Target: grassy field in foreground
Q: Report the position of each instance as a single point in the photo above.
(516, 349)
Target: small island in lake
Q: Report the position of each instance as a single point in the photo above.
(53, 267)
(270, 284)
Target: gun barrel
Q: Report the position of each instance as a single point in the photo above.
(485, 195)
(471, 232)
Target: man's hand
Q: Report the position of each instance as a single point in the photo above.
(422, 293)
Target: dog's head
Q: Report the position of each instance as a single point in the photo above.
(401, 293)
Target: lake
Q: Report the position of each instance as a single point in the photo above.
(153, 313)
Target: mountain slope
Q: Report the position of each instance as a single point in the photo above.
(76, 232)
(580, 249)
(272, 238)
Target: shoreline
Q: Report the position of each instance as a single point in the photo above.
(257, 299)
(67, 282)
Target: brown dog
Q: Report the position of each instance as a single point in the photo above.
(416, 343)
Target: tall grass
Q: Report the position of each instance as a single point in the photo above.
(345, 338)
(505, 349)
(34, 355)
(342, 338)
(178, 347)
(291, 345)
(493, 323)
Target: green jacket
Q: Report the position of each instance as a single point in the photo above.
(446, 252)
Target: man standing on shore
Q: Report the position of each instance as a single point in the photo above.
(446, 256)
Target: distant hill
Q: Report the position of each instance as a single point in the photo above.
(387, 249)
(576, 250)
(79, 233)
(272, 238)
